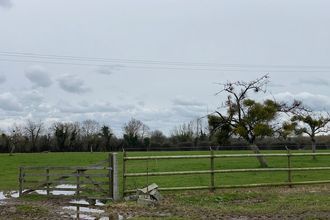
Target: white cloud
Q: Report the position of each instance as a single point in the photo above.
(6, 3)
(9, 102)
(38, 76)
(314, 101)
(73, 84)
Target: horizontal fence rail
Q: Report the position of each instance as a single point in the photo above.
(224, 156)
(212, 171)
(225, 171)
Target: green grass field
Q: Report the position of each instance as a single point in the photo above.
(303, 202)
(9, 166)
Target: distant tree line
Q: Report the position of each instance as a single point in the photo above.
(244, 123)
(92, 136)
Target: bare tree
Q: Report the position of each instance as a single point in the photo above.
(184, 132)
(157, 137)
(90, 130)
(33, 130)
(134, 132)
(16, 136)
(133, 127)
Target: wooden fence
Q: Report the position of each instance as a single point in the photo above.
(95, 182)
(212, 171)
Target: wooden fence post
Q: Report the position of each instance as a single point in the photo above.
(47, 181)
(110, 173)
(114, 176)
(21, 180)
(124, 172)
(212, 189)
(289, 169)
(78, 183)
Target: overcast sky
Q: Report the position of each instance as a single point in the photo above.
(157, 61)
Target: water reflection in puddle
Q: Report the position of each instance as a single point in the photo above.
(58, 192)
(2, 198)
(81, 209)
(84, 209)
(7, 195)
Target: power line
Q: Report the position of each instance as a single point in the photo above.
(155, 64)
(158, 62)
(164, 67)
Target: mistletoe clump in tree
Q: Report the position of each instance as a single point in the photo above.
(247, 118)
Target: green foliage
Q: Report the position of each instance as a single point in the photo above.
(252, 120)
(247, 118)
(262, 130)
(308, 123)
(220, 130)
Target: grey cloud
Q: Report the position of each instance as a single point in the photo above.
(73, 84)
(189, 112)
(187, 102)
(9, 102)
(38, 76)
(2, 79)
(313, 82)
(141, 103)
(32, 97)
(276, 85)
(85, 107)
(108, 70)
(6, 3)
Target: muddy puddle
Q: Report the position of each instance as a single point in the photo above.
(2, 198)
(75, 209)
(58, 192)
(7, 195)
(81, 209)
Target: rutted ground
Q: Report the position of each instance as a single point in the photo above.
(312, 202)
